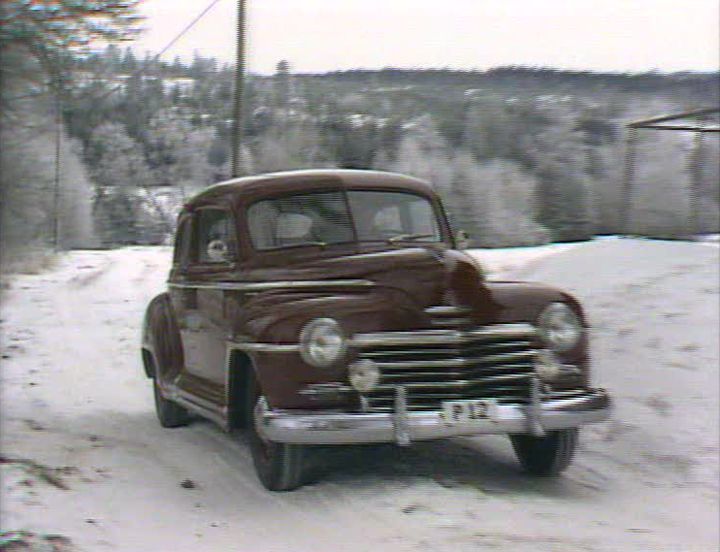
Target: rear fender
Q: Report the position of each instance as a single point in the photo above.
(161, 342)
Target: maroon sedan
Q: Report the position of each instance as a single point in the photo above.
(334, 307)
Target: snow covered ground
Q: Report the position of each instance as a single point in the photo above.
(84, 457)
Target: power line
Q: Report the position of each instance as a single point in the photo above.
(139, 72)
(187, 28)
(58, 115)
(169, 45)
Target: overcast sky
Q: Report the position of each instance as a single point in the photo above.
(325, 35)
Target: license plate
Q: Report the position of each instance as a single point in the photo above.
(458, 412)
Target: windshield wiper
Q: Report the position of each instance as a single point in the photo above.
(300, 244)
(401, 237)
(319, 243)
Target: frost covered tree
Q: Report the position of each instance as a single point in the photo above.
(660, 202)
(423, 153)
(26, 183)
(51, 31)
(298, 147)
(42, 195)
(76, 225)
(509, 194)
(495, 202)
(126, 210)
(45, 197)
(178, 152)
(558, 157)
(281, 84)
(464, 198)
(28, 193)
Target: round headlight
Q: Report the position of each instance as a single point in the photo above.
(364, 375)
(322, 342)
(560, 327)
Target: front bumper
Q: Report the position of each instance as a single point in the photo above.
(402, 427)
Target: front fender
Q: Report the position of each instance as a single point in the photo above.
(524, 301)
(277, 318)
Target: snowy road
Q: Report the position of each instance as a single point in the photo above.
(74, 397)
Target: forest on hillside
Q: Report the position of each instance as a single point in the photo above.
(520, 155)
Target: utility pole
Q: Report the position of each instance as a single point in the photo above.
(237, 130)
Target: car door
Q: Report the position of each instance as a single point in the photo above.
(199, 301)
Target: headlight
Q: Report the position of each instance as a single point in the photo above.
(560, 327)
(322, 342)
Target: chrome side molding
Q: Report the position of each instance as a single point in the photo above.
(265, 286)
(447, 310)
(252, 347)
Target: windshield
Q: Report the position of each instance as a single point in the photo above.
(393, 216)
(322, 218)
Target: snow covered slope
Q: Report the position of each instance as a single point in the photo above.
(84, 456)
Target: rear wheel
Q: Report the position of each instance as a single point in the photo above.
(548, 455)
(279, 466)
(169, 414)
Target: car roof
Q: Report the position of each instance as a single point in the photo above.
(250, 188)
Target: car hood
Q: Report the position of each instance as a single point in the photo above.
(414, 279)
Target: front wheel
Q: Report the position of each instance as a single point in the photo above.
(279, 466)
(169, 413)
(548, 455)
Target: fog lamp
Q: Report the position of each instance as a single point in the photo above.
(364, 375)
(547, 366)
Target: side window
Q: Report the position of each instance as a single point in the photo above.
(215, 236)
(182, 242)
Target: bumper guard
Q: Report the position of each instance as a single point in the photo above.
(403, 426)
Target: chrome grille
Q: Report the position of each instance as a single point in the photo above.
(449, 364)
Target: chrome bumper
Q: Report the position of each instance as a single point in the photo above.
(402, 427)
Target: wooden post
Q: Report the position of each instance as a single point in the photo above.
(628, 177)
(695, 184)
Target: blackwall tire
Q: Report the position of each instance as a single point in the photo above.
(279, 466)
(546, 456)
(169, 413)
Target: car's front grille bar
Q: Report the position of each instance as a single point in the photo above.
(497, 332)
(449, 316)
(433, 366)
(458, 362)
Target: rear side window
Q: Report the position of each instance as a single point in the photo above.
(215, 236)
(182, 242)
